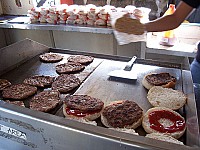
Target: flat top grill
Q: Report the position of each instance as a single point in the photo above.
(96, 83)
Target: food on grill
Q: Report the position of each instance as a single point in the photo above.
(39, 80)
(69, 67)
(159, 79)
(164, 120)
(19, 91)
(122, 114)
(164, 137)
(4, 83)
(45, 101)
(130, 131)
(81, 59)
(65, 83)
(18, 103)
(159, 96)
(83, 120)
(82, 106)
(51, 57)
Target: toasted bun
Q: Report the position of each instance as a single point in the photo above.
(130, 131)
(132, 126)
(164, 122)
(164, 137)
(166, 97)
(82, 120)
(89, 117)
(147, 85)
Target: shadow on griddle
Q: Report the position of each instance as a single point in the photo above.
(123, 80)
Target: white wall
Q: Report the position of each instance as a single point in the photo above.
(10, 7)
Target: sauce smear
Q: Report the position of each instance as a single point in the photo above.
(178, 122)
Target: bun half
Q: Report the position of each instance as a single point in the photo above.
(159, 96)
(165, 124)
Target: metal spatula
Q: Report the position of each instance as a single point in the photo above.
(126, 72)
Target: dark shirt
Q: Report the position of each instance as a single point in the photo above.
(198, 53)
(192, 3)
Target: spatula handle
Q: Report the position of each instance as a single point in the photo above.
(129, 64)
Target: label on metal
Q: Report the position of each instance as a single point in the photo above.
(13, 132)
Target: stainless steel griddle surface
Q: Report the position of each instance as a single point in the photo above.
(97, 83)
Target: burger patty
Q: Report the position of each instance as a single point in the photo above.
(18, 103)
(19, 91)
(45, 101)
(50, 57)
(39, 81)
(65, 83)
(4, 83)
(83, 103)
(69, 67)
(122, 114)
(160, 79)
(80, 59)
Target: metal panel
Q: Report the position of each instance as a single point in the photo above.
(16, 54)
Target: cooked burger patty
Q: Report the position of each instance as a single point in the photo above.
(81, 59)
(19, 91)
(45, 101)
(39, 81)
(83, 103)
(160, 78)
(50, 57)
(18, 103)
(122, 114)
(65, 83)
(69, 67)
(4, 83)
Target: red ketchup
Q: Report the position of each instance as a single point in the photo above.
(78, 113)
(178, 122)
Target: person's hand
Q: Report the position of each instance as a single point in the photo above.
(129, 25)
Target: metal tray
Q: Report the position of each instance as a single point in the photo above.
(22, 128)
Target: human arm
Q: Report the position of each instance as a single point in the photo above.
(170, 21)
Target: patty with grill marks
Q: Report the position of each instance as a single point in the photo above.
(120, 114)
(45, 101)
(69, 67)
(158, 79)
(39, 80)
(65, 83)
(80, 59)
(84, 103)
(50, 57)
(19, 91)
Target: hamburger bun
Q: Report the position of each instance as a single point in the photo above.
(82, 120)
(122, 114)
(159, 96)
(158, 79)
(157, 120)
(164, 137)
(125, 130)
(82, 106)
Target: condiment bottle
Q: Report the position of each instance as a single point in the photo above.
(168, 38)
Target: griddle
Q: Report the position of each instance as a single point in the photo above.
(38, 130)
